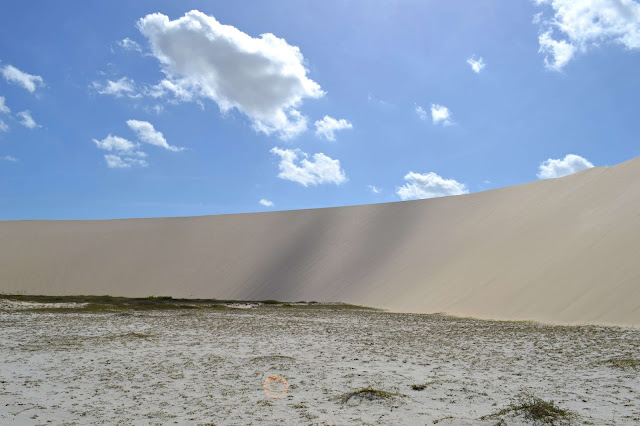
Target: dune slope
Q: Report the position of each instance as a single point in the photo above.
(563, 250)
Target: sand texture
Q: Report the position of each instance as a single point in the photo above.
(563, 250)
(201, 367)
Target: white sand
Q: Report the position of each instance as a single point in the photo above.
(199, 367)
(564, 250)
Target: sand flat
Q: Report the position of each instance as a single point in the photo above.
(208, 366)
(562, 250)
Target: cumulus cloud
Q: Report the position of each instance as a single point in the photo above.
(115, 143)
(266, 203)
(8, 158)
(296, 167)
(124, 86)
(327, 127)
(585, 24)
(476, 64)
(26, 120)
(553, 168)
(263, 77)
(374, 189)
(147, 133)
(4, 109)
(21, 78)
(125, 153)
(117, 162)
(128, 44)
(557, 53)
(441, 114)
(4, 127)
(429, 185)
(422, 114)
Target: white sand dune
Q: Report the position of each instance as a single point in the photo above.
(562, 250)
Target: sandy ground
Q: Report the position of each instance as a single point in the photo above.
(560, 250)
(208, 366)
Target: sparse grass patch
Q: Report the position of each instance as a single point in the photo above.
(138, 335)
(422, 386)
(624, 363)
(536, 410)
(368, 394)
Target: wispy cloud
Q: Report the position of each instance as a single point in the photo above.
(128, 44)
(26, 120)
(477, 65)
(422, 113)
(123, 87)
(4, 109)
(374, 189)
(28, 81)
(266, 203)
(327, 127)
(148, 134)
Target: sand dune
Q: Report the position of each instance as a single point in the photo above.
(562, 250)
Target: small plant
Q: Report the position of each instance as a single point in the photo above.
(422, 386)
(368, 394)
(536, 410)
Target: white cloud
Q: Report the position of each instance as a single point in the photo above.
(4, 109)
(560, 52)
(374, 189)
(327, 127)
(21, 78)
(8, 158)
(476, 64)
(266, 203)
(115, 143)
(553, 168)
(165, 87)
(118, 162)
(26, 120)
(4, 127)
(264, 78)
(440, 114)
(124, 86)
(128, 44)
(585, 24)
(321, 169)
(148, 134)
(429, 185)
(422, 114)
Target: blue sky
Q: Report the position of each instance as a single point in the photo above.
(156, 108)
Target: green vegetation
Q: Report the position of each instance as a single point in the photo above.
(368, 394)
(106, 304)
(536, 410)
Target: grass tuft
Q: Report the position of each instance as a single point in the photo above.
(422, 386)
(368, 394)
(536, 410)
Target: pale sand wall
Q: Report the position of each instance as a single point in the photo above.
(563, 250)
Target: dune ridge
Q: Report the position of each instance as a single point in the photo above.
(562, 250)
